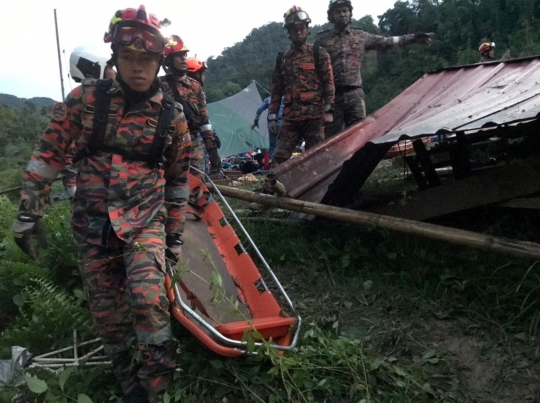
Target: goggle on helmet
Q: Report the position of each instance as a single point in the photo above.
(137, 30)
(296, 15)
(175, 45)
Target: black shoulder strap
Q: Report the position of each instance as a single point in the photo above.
(191, 112)
(316, 54)
(279, 60)
(174, 89)
(101, 116)
(159, 143)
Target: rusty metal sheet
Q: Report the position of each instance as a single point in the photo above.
(455, 99)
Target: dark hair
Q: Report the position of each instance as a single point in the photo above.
(331, 9)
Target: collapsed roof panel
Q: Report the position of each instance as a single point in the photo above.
(466, 98)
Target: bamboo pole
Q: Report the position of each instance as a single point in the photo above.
(3, 192)
(505, 246)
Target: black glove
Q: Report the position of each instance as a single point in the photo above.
(215, 160)
(255, 124)
(27, 226)
(174, 247)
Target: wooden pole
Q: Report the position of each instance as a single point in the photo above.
(59, 57)
(3, 192)
(505, 246)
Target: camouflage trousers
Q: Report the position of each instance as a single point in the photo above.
(349, 109)
(125, 289)
(197, 153)
(292, 133)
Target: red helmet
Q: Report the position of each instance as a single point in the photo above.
(174, 45)
(130, 24)
(486, 47)
(296, 15)
(194, 65)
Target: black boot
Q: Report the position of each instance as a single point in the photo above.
(137, 395)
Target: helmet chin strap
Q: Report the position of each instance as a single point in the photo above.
(174, 71)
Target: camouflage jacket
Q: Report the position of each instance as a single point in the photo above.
(70, 171)
(110, 187)
(347, 50)
(306, 91)
(192, 91)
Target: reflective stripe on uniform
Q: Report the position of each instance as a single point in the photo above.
(176, 192)
(43, 169)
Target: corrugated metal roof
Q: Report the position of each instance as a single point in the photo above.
(456, 99)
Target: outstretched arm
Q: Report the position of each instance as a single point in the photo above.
(377, 42)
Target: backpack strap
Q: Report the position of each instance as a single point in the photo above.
(191, 112)
(279, 60)
(316, 54)
(174, 89)
(155, 157)
(101, 114)
(101, 117)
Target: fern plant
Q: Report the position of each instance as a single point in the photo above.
(14, 278)
(46, 320)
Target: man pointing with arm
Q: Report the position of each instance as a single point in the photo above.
(347, 46)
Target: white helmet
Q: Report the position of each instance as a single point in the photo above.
(88, 62)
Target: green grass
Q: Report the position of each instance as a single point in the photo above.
(383, 313)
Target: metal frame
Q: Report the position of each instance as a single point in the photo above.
(241, 345)
(51, 364)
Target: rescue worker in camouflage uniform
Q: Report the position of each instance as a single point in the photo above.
(196, 70)
(132, 189)
(346, 46)
(83, 63)
(303, 76)
(191, 90)
(487, 52)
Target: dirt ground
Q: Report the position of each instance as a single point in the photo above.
(469, 361)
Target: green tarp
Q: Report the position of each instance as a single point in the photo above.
(232, 118)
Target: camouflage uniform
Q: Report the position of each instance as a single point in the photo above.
(306, 93)
(347, 50)
(69, 172)
(121, 212)
(192, 91)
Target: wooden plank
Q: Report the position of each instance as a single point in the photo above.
(454, 236)
(486, 187)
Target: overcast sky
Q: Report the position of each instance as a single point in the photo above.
(29, 65)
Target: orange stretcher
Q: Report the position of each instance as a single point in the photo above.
(217, 291)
